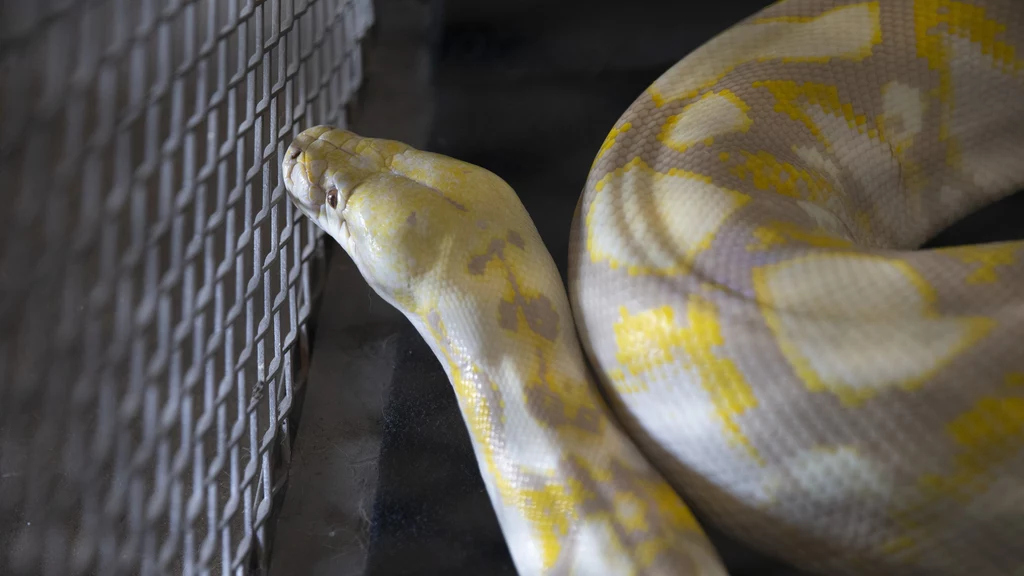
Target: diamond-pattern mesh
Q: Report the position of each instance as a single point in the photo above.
(155, 281)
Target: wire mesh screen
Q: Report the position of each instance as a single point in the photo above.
(155, 279)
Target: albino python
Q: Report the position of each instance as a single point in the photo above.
(767, 345)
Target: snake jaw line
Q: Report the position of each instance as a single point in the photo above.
(299, 182)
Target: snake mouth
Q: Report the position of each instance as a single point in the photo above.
(303, 172)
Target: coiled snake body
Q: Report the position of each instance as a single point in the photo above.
(773, 349)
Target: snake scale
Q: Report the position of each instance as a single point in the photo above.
(752, 337)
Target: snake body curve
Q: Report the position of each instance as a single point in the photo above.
(771, 347)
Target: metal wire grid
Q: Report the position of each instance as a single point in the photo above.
(155, 280)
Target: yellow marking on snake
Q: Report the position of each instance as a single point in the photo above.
(814, 39)
(610, 140)
(646, 340)
(966, 21)
(988, 435)
(793, 99)
(989, 258)
(782, 233)
(766, 172)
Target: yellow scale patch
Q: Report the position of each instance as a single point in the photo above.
(988, 257)
(552, 510)
(782, 233)
(766, 172)
(609, 141)
(988, 434)
(847, 32)
(966, 21)
(652, 338)
(791, 97)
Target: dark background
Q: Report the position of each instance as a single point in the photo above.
(528, 90)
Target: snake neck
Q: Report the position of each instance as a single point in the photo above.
(571, 492)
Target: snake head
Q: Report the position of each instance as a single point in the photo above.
(324, 165)
(406, 217)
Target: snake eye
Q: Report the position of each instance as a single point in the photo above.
(332, 197)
